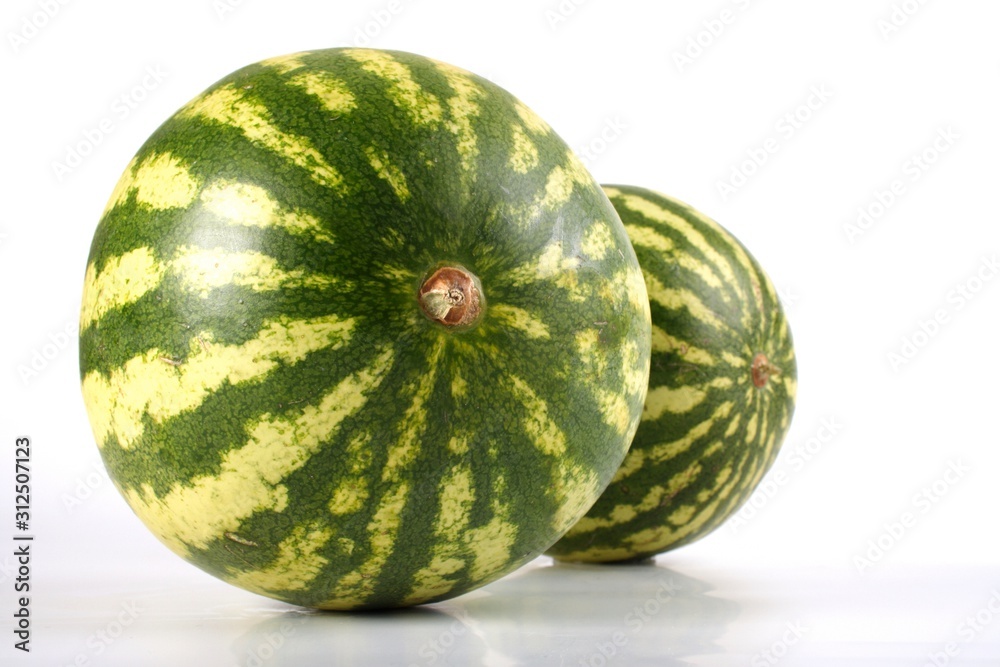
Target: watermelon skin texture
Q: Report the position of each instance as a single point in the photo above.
(708, 433)
(267, 394)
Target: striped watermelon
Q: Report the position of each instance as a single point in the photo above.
(359, 331)
(721, 387)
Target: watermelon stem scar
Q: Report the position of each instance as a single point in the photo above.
(762, 370)
(452, 296)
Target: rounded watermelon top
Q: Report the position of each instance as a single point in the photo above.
(359, 330)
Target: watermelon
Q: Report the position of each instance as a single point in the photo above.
(360, 331)
(721, 387)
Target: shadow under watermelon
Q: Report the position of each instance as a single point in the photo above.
(545, 614)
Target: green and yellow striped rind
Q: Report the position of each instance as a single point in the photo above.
(265, 391)
(708, 434)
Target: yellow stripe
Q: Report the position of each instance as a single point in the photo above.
(648, 237)
(658, 538)
(287, 63)
(669, 450)
(702, 270)
(227, 105)
(298, 563)
(720, 382)
(631, 280)
(122, 281)
(459, 386)
(524, 153)
(202, 271)
(558, 189)
(531, 120)
(575, 489)
(633, 462)
(354, 588)
(152, 384)
(552, 262)
(414, 419)
(724, 475)
(661, 400)
(191, 516)
(160, 182)
(129, 277)
(635, 381)
(520, 319)
(332, 93)
(552, 265)
(678, 298)
(492, 543)
(616, 411)
(560, 183)
(615, 405)
(244, 204)
(589, 350)
(746, 264)
(751, 430)
(423, 107)
(664, 342)
(463, 107)
(791, 386)
(733, 360)
(123, 187)
(388, 172)
(457, 497)
(657, 213)
(656, 497)
(544, 433)
(682, 514)
(598, 240)
(352, 492)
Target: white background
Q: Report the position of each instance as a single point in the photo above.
(680, 97)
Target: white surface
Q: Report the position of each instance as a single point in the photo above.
(663, 613)
(867, 439)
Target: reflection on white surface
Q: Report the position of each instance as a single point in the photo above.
(548, 614)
